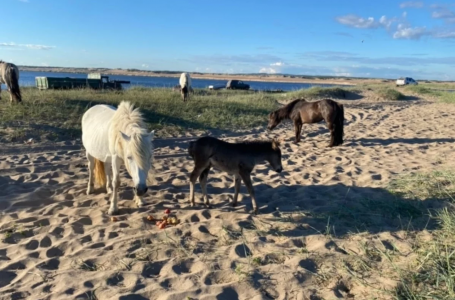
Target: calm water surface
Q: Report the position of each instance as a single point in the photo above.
(28, 79)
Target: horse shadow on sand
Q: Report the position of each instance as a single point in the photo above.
(365, 142)
(315, 208)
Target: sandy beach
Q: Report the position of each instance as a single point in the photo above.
(59, 243)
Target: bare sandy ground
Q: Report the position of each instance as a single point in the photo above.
(59, 243)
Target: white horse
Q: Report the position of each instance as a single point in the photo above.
(114, 136)
(185, 86)
(9, 75)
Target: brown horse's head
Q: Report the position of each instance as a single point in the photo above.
(274, 158)
(274, 120)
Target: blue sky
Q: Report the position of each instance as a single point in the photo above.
(400, 38)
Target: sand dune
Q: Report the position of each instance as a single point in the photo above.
(59, 243)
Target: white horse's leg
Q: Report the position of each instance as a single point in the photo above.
(0, 90)
(115, 185)
(91, 167)
(10, 94)
(139, 201)
(108, 171)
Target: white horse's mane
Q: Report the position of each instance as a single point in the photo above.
(129, 120)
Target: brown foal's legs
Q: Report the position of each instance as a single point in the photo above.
(246, 177)
(237, 181)
(203, 181)
(198, 169)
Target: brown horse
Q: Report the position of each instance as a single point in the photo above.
(238, 159)
(302, 112)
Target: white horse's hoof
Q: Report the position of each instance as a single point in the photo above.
(140, 203)
(109, 191)
(113, 211)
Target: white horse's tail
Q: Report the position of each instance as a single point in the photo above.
(12, 81)
(185, 85)
(185, 80)
(100, 174)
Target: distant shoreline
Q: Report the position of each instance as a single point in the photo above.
(196, 75)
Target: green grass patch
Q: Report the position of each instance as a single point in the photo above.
(320, 92)
(432, 274)
(437, 185)
(390, 94)
(423, 90)
(57, 114)
(448, 97)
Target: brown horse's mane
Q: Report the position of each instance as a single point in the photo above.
(286, 110)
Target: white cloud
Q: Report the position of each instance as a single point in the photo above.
(145, 66)
(357, 22)
(399, 28)
(444, 34)
(413, 4)
(268, 70)
(26, 46)
(410, 33)
(277, 64)
(38, 47)
(443, 13)
(384, 21)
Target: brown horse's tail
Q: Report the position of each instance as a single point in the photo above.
(339, 125)
(100, 174)
(12, 82)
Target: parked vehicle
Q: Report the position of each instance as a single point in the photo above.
(217, 86)
(237, 85)
(406, 81)
(93, 81)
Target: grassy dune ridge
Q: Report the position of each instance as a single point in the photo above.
(54, 114)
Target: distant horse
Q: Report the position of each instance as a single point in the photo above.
(185, 86)
(114, 136)
(9, 75)
(238, 159)
(302, 112)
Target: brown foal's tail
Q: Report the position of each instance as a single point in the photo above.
(339, 125)
(191, 149)
(100, 174)
(12, 82)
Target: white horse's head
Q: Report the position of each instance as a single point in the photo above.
(137, 154)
